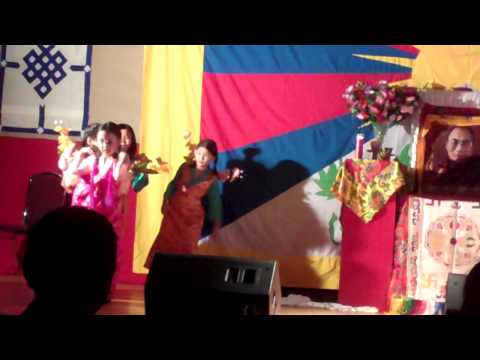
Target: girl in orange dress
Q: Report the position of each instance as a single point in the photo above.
(182, 205)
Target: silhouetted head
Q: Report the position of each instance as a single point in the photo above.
(471, 292)
(69, 261)
(250, 153)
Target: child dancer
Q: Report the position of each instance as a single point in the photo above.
(72, 156)
(129, 145)
(108, 180)
(128, 142)
(182, 204)
(105, 176)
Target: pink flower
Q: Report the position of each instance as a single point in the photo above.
(362, 116)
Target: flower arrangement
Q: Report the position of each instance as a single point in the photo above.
(142, 164)
(381, 105)
(187, 135)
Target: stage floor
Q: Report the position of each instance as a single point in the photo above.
(15, 295)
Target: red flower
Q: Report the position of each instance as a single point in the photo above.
(381, 103)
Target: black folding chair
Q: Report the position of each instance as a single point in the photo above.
(44, 194)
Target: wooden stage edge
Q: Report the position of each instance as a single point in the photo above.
(127, 299)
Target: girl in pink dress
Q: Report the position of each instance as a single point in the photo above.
(107, 180)
(105, 177)
(70, 160)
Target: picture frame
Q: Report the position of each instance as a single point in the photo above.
(448, 153)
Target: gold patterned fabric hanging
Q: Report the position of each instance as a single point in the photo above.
(365, 186)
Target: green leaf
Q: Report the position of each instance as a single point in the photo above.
(404, 157)
(331, 228)
(326, 180)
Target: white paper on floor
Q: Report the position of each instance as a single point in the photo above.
(305, 301)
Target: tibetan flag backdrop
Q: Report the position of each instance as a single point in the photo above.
(276, 112)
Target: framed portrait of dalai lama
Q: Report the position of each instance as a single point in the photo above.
(448, 156)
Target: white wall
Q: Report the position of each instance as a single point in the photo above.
(116, 84)
(116, 87)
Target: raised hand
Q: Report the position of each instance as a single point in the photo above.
(230, 175)
(123, 157)
(85, 152)
(237, 173)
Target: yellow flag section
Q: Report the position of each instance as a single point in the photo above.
(170, 105)
(446, 65)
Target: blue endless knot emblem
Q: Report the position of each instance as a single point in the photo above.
(44, 66)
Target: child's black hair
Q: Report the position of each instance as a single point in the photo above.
(112, 128)
(132, 150)
(210, 145)
(90, 132)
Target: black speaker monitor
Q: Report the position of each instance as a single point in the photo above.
(202, 285)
